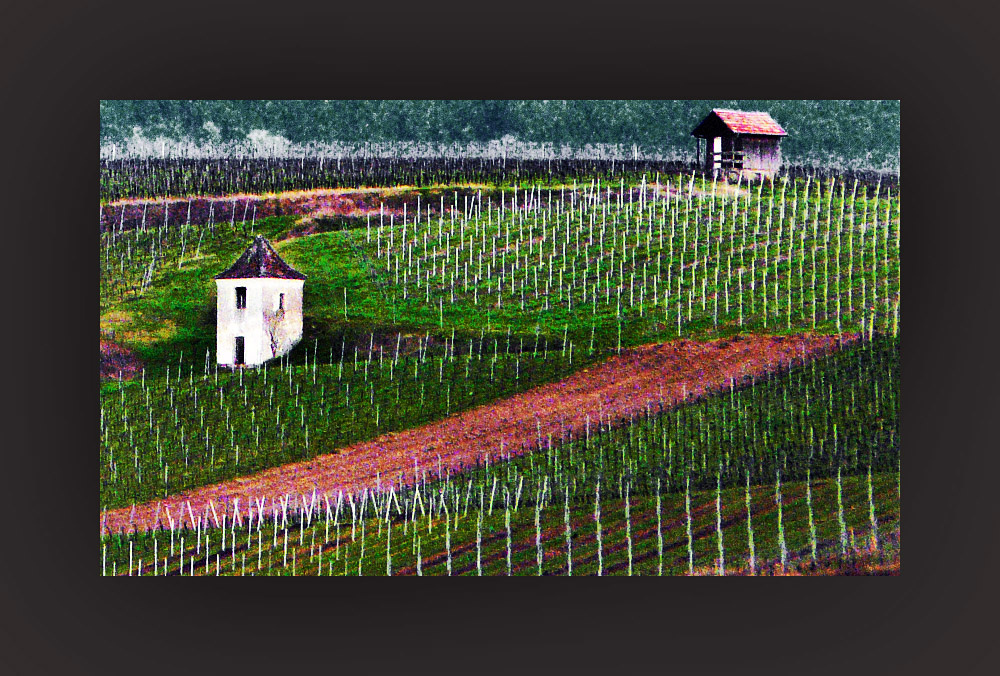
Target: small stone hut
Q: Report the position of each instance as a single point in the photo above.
(739, 143)
(259, 307)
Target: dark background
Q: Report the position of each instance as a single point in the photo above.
(56, 62)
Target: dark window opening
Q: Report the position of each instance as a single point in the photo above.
(241, 297)
(240, 350)
(281, 301)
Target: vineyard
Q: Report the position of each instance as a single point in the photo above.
(678, 257)
(823, 522)
(151, 178)
(424, 305)
(617, 498)
(687, 256)
(168, 435)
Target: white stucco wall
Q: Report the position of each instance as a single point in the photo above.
(267, 331)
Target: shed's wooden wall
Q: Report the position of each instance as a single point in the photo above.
(762, 154)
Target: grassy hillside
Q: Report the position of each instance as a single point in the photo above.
(408, 321)
(602, 265)
(840, 411)
(830, 424)
(678, 257)
(164, 435)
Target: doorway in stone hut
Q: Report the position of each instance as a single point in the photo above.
(240, 351)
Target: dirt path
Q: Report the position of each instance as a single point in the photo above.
(627, 383)
(127, 214)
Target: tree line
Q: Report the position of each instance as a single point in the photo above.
(854, 132)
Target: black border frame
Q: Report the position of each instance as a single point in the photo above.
(937, 617)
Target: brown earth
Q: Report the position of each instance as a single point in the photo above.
(358, 203)
(117, 361)
(634, 381)
(863, 560)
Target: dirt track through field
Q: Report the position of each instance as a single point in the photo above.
(627, 383)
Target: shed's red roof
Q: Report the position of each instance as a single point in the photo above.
(260, 260)
(742, 122)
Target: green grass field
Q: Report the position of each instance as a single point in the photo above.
(601, 266)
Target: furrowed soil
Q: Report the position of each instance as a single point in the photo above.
(637, 380)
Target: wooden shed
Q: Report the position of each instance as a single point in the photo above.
(740, 143)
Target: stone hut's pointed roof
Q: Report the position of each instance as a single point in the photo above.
(260, 260)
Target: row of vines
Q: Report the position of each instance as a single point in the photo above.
(686, 253)
(800, 466)
(134, 178)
